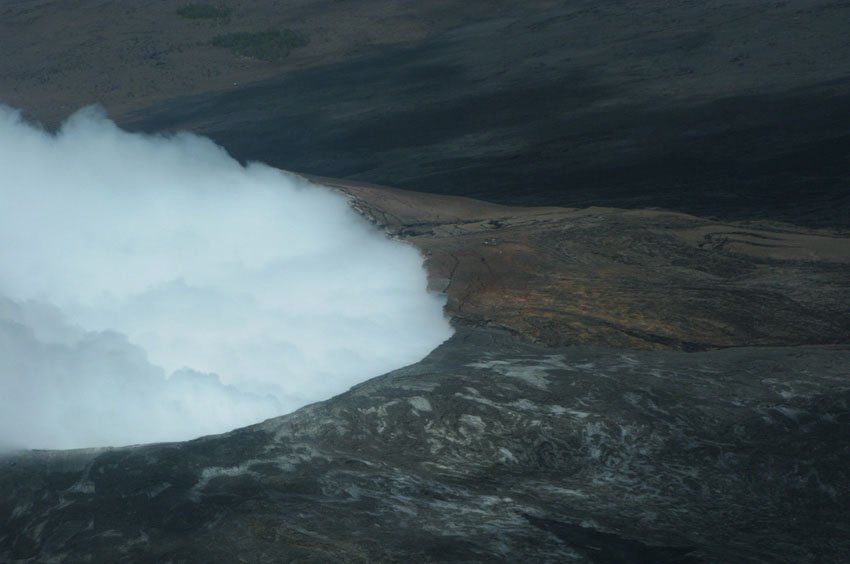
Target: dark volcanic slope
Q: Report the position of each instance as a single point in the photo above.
(60, 55)
(488, 450)
(737, 109)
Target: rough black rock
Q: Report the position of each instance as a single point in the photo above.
(491, 449)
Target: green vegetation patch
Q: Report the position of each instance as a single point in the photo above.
(202, 12)
(272, 46)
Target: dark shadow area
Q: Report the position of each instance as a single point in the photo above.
(473, 112)
(605, 548)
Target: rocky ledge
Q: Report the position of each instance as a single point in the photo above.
(557, 425)
(645, 279)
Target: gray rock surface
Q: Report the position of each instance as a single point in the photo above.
(491, 449)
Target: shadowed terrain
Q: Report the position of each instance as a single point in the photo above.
(737, 110)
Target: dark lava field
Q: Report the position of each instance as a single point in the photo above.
(732, 110)
(638, 212)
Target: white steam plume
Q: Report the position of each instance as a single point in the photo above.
(152, 288)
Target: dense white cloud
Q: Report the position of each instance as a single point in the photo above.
(152, 288)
